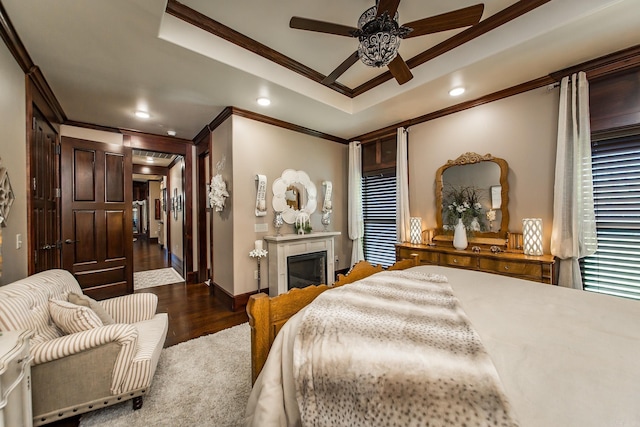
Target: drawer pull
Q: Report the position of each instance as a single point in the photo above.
(455, 260)
(506, 267)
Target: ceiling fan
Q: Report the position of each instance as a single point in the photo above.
(380, 35)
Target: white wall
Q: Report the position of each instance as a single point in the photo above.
(223, 240)
(162, 239)
(259, 148)
(250, 148)
(520, 129)
(177, 222)
(13, 154)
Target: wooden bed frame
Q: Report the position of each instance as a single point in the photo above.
(267, 314)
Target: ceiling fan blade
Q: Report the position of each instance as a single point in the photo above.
(341, 69)
(320, 26)
(400, 70)
(447, 21)
(391, 6)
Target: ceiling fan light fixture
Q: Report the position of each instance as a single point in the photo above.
(379, 37)
(379, 49)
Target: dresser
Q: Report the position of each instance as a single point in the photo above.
(514, 264)
(15, 379)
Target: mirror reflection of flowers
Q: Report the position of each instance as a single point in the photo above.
(218, 193)
(464, 203)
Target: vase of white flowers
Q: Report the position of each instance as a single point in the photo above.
(463, 206)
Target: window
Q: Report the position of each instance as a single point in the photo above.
(615, 268)
(379, 214)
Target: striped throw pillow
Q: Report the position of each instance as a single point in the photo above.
(71, 318)
(94, 305)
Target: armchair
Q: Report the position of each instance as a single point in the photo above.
(101, 364)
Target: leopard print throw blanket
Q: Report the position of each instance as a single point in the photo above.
(394, 349)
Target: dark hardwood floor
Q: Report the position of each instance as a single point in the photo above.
(193, 310)
(148, 256)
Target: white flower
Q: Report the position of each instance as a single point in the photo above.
(258, 253)
(218, 192)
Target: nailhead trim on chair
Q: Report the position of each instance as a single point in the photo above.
(87, 407)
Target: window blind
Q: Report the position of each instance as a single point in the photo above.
(379, 214)
(615, 267)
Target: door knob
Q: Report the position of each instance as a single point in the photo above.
(69, 241)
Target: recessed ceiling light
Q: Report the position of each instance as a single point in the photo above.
(456, 91)
(171, 132)
(263, 101)
(149, 159)
(142, 114)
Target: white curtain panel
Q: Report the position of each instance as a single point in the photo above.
(403, 216)
(356, 221)
(574, 228)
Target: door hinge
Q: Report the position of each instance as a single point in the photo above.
(35, 187)
(58, 149)
(58, 193)
(34, 122)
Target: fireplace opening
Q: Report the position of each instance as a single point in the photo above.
(307, 269)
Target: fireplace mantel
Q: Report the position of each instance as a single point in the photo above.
(281, 247)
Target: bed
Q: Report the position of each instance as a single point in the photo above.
(563, 357)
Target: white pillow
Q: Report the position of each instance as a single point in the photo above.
(71, 318)
(94, 305)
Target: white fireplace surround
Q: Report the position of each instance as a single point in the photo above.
(281, 247)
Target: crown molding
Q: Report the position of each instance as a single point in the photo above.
(11, 39)
(211, 26)
(616, 62)
(230, 111)
(13, 42)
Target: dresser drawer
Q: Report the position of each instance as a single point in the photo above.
(428, 257)
(455, 260)
(424, 256)
(515, 268)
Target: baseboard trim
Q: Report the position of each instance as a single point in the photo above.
(192, 277)
(232, 302)
(176, 263)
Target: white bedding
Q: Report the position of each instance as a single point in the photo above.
(565, 357)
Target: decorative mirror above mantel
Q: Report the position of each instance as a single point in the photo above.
(474, 187)
(293, 193)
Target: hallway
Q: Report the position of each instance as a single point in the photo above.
(148, 256)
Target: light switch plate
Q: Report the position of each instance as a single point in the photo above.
(261, 228)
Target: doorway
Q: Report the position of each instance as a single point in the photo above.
(158, 222)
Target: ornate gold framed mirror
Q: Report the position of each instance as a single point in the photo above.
(473, 187)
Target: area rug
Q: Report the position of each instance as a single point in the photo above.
(158, 277)
(202, 382)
